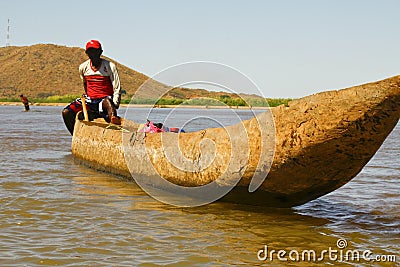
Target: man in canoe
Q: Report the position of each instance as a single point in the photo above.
(25, 101)
(102, 87)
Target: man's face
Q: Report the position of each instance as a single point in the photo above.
(94, 54)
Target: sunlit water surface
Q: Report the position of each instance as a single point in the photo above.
(55, 212)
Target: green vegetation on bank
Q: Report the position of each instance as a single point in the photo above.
(220, 101)
(49, 99)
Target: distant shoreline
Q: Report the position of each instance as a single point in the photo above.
(140, 106)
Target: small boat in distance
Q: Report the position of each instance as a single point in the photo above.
(283, 157)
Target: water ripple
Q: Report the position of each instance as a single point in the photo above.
(56, 212)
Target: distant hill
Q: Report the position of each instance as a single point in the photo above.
(46, 69)
(43, 70)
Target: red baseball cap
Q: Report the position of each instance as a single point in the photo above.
(93, 44)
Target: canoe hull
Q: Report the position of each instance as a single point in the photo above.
(296, 153)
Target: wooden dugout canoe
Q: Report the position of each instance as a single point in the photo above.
(291, 155)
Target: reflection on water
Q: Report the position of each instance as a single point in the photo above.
(56, 212)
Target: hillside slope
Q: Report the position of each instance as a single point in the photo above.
(46, 69)
(43, 70)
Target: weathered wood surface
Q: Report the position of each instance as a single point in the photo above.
(310, 148)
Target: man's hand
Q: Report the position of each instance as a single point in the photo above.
(116, 100)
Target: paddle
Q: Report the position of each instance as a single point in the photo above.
(85, 112)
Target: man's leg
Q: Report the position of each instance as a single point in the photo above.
(109, 107)
(69, 119)
(69, 114)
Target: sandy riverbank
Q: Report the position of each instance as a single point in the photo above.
(33, 104)
(136, 106)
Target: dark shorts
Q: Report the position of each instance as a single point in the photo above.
(92, 104)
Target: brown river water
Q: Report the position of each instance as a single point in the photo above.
(55, 212)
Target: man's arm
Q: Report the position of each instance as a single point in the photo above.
(81, 67)
(85, 85)
(116, 85)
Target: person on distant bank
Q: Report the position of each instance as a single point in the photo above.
(25, 101)
(102, 87)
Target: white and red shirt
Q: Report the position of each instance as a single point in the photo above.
(102, 82)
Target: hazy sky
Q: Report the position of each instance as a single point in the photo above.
(288, 48)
